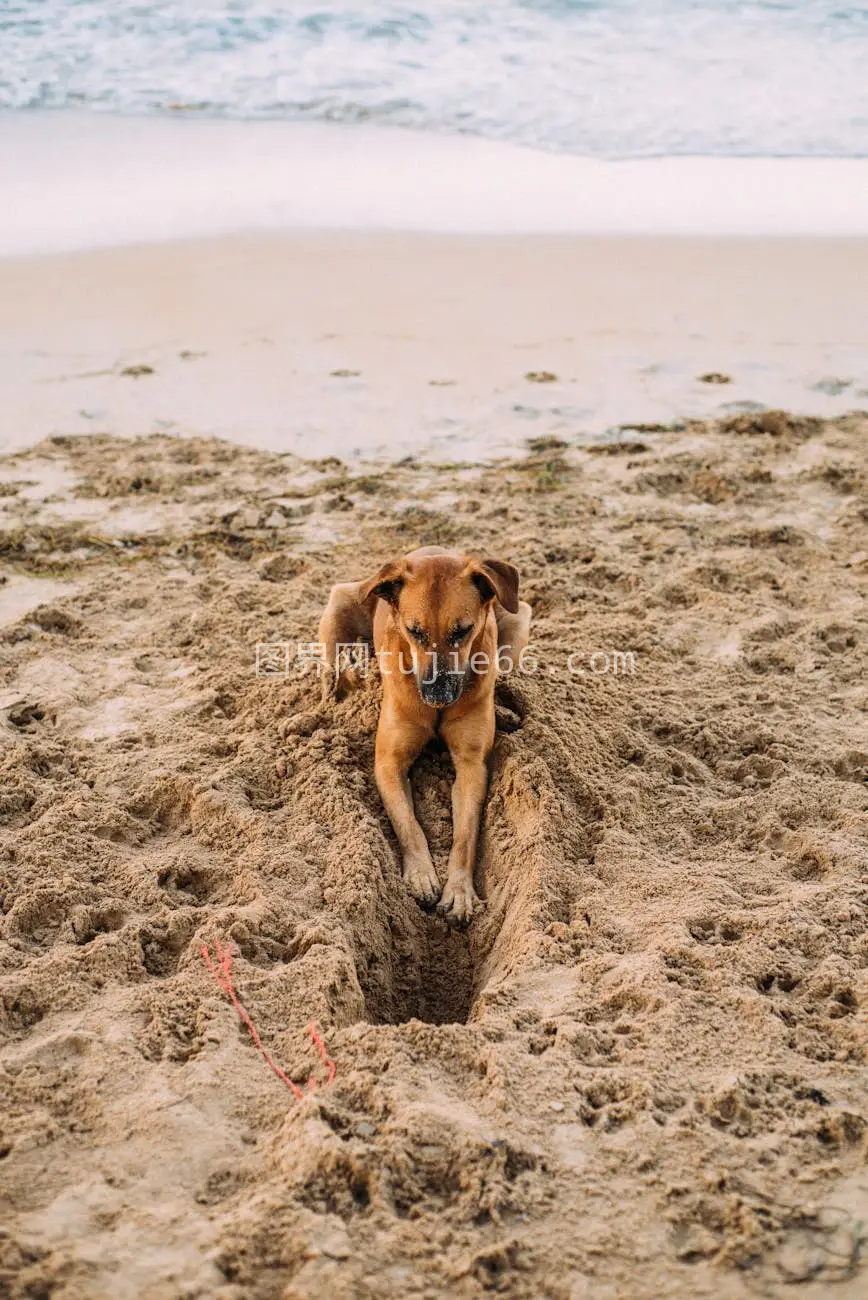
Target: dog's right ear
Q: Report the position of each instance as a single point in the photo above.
(386, 584)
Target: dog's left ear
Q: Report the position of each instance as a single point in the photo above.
(496, 578)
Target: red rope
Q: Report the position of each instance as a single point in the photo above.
(222, 973)
(323, 1056)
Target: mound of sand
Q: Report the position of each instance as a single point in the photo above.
(642, 1069)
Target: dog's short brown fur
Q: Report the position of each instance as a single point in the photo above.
(441, 622)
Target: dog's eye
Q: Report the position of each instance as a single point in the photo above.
(459, 634)
(417, 633)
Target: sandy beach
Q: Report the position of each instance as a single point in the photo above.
(640, 1072)
(286, 292)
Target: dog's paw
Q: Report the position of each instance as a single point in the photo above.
(458, 901)
(421, 880)
(335, 687)
(328, 688)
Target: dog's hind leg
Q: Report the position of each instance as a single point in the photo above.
(346, 620)
(513, 633)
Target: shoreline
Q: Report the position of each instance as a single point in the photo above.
(377, 344)
(87, 180)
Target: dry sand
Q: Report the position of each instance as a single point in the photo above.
(348, 344)
(640, 1073)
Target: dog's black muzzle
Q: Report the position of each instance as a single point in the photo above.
(441, 690)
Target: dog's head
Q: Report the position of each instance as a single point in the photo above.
(440, 605)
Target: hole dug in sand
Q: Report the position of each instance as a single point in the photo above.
(430, 978)
(427, 970)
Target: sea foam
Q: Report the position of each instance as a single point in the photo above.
(605, 78)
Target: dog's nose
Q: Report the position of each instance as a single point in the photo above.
(442, 690)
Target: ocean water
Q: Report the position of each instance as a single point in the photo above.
(598, 78)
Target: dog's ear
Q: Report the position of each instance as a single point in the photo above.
(386, 584)
(496, 578)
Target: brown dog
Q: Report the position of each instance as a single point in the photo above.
(441, 624)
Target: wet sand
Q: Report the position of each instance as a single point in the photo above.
(385, 344)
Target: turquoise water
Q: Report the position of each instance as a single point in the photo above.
(605, 78)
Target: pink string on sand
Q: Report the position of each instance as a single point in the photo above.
(222, 972)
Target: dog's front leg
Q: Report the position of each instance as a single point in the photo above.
(468, 796)
(469, 742)
(398, 744)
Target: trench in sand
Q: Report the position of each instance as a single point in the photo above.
(430, 970)
(435, 981)
(436, 972)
